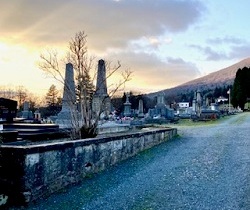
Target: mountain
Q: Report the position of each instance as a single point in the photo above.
(221, 78)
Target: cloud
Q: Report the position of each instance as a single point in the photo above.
(107, 23)
(223, 48)
(150, 71)
(151, 43)
(214, 55)
(210, 53)
(233, 48)
(226, 40)
(241, 51)
(132, 31)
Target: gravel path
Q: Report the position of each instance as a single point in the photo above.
(207, 167)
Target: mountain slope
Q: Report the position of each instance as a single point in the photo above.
(219, 78)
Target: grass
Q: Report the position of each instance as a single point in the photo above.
(189, 122)
(239, 120)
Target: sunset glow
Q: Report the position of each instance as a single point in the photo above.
(164, 43)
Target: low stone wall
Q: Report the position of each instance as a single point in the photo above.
(31, 172)
(113, 128)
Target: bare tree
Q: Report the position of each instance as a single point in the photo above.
(7, 92)
(86, 120)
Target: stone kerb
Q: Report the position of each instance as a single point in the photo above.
(31, 172)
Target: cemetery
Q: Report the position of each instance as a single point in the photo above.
(16, 129)
(45, 159)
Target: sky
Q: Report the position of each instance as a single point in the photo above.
(164, 43)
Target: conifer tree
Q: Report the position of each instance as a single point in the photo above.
(52, 96)
(240, 90)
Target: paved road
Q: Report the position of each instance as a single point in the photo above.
(207, 167)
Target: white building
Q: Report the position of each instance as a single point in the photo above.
(183, 104)
(221, 99)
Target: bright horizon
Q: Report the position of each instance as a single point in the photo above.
(164, 43)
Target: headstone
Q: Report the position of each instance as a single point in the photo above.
(26, 106)
(160, 99)
(26, 113)
(151, 113)
(215, 106)
(69, 95)
(140, 109)
(160, 108)
(194, 103)
(101, 83)
(127, 106)
(198, 102)
(8, 109)
(65, 116)
(37, 115)
(205, 102)
(101, 99)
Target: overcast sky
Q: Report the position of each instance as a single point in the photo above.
(164, 42)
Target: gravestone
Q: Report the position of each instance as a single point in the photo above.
(127, 106)
(37, 116)
(194, 103)
(198, 103)
(26, 106)
(140, 109)
(161, 112)
(65, 116)
(101, 99)
(8, 109)
(160, 99)
(160, 108)
(26, 113)
(101, 83)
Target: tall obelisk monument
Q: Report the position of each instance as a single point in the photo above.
(101, 99)
(69, 98)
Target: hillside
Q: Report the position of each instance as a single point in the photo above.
(219, 78)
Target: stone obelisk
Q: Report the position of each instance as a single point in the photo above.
(69, 98)
(140, 109)
(198, 102)
(127, 107)
(69, 94)
(101, 83)
(101, 99)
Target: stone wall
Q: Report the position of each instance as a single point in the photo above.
(31, 172)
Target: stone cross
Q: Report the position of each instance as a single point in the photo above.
(127, 97)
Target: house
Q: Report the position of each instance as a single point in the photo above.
(221, 99)
(183, 104)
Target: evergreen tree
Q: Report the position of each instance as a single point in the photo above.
(53, 101)
(52, 96)
(240, 90)
(217, 92)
